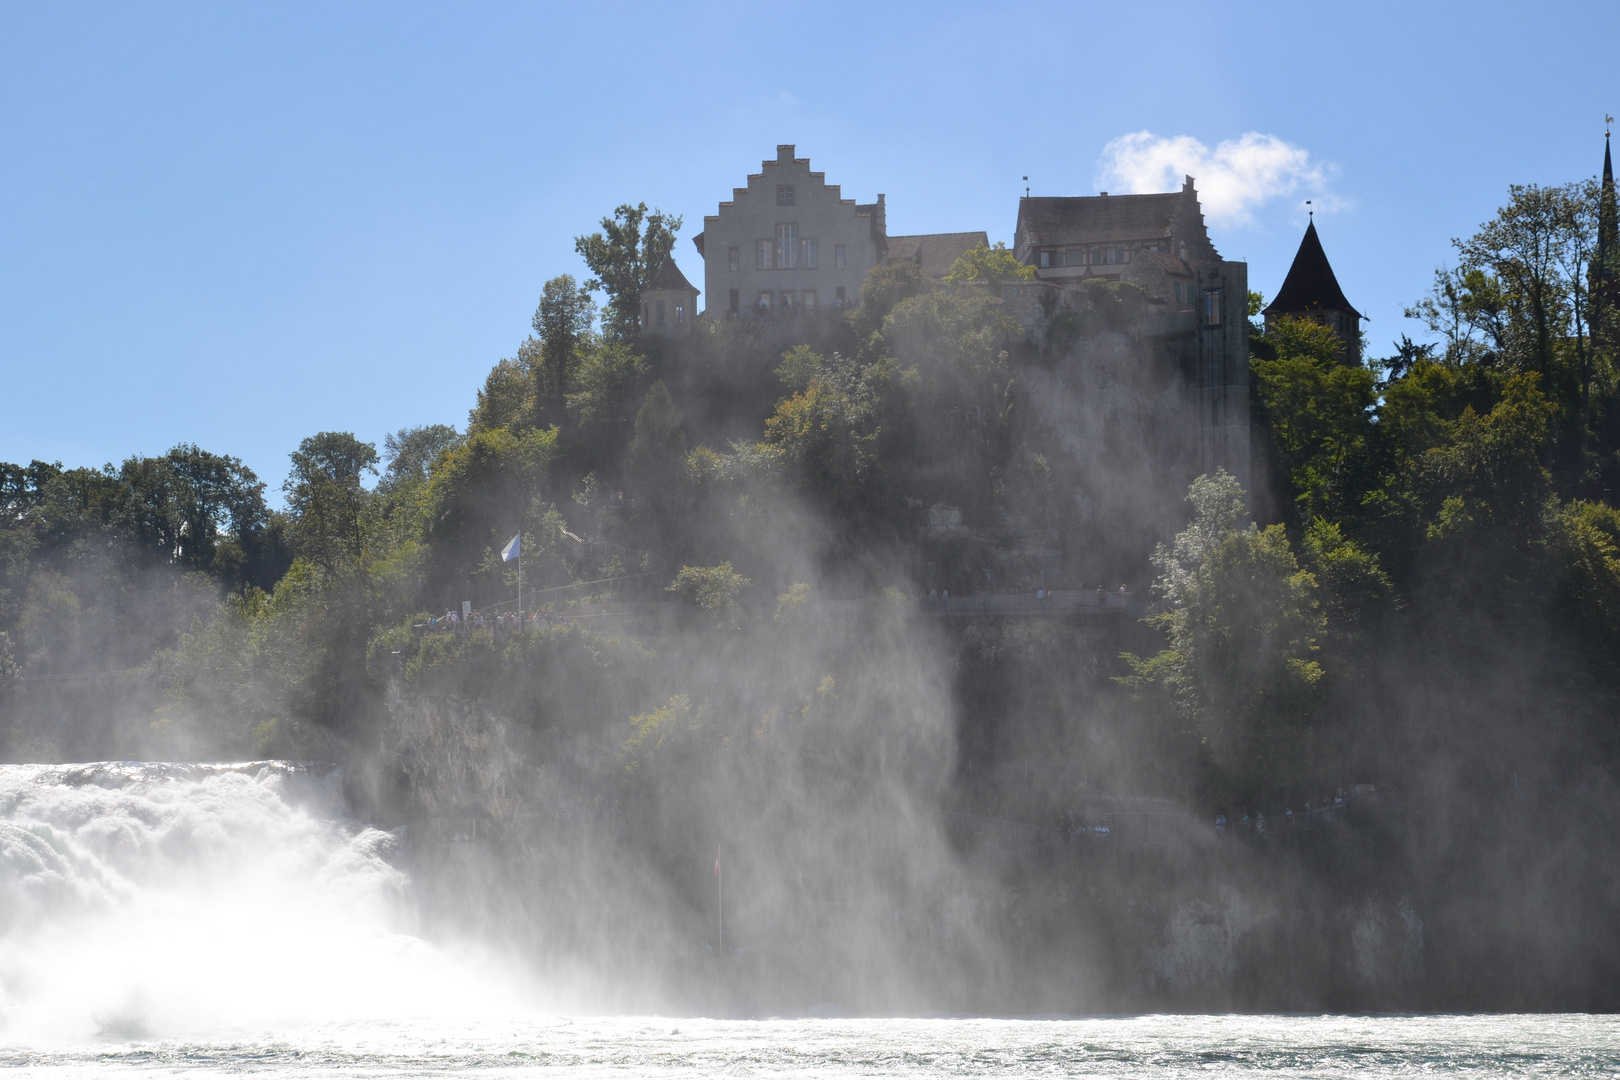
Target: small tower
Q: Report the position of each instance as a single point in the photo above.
(1310, 291)
(669, 301)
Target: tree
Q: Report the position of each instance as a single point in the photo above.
(1318, 408)
(410, 453)
(622, 257)
(882, 289)
(327, 498)
(507, 397)
(1243, 626)
(991, 265)
(605, 388)
(195, 509)
(827, 434)
(1519, 296)
(657, 455)
(562, 323)
(715, 589)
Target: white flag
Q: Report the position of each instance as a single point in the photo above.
(510, 551)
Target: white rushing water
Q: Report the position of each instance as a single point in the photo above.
(152, 901)
(167, 919)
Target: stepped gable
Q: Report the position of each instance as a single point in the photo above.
(1310, 284)
(669, 276)
(936, 253)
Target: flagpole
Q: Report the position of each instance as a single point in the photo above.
(520, 574)
(720, 895)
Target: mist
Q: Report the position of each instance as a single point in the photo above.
(1001, 644)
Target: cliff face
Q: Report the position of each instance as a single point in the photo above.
(526, 845)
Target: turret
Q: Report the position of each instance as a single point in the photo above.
(1311, 291)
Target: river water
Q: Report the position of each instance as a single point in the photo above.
(175, 919)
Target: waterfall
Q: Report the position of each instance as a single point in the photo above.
(142, 901)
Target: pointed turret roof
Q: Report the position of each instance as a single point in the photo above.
(1310, 284)
(1608, 237)
(669, 276)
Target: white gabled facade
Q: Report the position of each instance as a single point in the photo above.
(787, 244)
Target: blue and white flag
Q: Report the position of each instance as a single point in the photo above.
(512, 548)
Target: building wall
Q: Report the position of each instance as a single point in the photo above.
(679, 308)
(818, 212)
(1223, 369)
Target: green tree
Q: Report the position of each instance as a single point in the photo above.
(507, 397)
(991, 265)
(608, 378)
(562, 324)
(827, 434)
(1243, 625)
(1318, 409)
(622, 257)
(715, 589)
(410, 453)
(327, 498)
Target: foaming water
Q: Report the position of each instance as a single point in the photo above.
(143, 901)
(231, 919)
(1127, 1048)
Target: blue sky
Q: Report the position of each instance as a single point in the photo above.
(240, 224)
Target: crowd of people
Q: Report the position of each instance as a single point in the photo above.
(1331, 808)
(477, 620)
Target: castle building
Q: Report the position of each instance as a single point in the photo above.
(1150, 240)
(669, 302)
(1198, 302)
(788, 244)
(1311, 291)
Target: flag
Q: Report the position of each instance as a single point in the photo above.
(717, 860)
(512, 549)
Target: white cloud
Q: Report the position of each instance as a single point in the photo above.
(1234, 179)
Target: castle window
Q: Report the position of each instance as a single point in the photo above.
(762, 307)
(784, 194)
(809, 299)
(1212, 307)
(787, 247)
(838, 294)
(762, 254)
(808, 249)
(1074, 257)
(733, 259)
(660, 313)
(785, 306)
(736, 301)
(1046, 259)
(838, 256)
(680, 314)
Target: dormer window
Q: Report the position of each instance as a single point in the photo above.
(784, 194)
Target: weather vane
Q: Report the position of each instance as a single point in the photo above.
(1026, 187)
(1308, 211)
